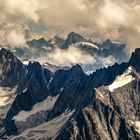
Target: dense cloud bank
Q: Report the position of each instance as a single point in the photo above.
(118, 20)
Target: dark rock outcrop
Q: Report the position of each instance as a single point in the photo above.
(72, 39)
(98, 122)
(11, 69)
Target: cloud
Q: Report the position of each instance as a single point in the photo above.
(100, 19)
(68, 57)
(107, 61)
(112, 13)
(15, 38)
(27, 8)
(73, 56)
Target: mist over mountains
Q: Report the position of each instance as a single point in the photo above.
(73, 88)
(69, 70)
(75, 49)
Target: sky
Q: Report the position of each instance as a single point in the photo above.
(98, 19)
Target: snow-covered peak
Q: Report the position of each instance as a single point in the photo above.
(122, 80)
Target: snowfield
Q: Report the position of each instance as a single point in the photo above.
(135, 124)
(122, 80)
(25, 62)
(48, 130)
(5, 95)
(45, 105)
(90, 44)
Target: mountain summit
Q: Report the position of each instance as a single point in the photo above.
(72, 38)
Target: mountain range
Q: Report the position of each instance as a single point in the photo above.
(43, 48)
(40, 103)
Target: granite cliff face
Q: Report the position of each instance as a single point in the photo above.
(68, 104)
